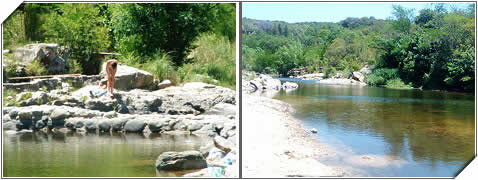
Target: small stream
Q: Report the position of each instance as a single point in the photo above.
(40, 154)
(388, 132)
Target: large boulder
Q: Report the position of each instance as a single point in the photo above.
(269, 82)
(127, 77)
(358, 76)
(47, 54)
(136, 125)
(180, 161)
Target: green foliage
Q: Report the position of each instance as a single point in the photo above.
(26, 96)
(9, 97)
(381, 76)
(397, 83)
(35, 68)
(79, 27)
(143, 29)
(13, 30)
(461, 69)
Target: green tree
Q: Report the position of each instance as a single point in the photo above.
(79, 27)
(143, 29)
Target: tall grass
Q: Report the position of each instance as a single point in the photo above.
(213, 61)
(213, 57)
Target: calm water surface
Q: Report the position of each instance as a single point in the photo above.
(90, 155)
(388, 132)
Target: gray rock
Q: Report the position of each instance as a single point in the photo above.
(105, 125)
(215, 154)
(135, 125)
(58, 114)
(10, 125)
(290, 85)
(37, 115)
(194, 127)
(130, 78)
(6, 118)
(79, 124)
(179, 126)
(70, 124)
(157, 125)
(40, 124)
(181, 161)
(164, 84)
(118, 124)
(223, 144)
(358, 76)
(313, 130)
(90, 125)
(25, 114)
(24, 124)
(13, 114)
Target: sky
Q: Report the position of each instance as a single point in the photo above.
(326, 11)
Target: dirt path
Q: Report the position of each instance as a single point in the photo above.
(276, 145)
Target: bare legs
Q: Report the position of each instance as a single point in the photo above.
(110, 84)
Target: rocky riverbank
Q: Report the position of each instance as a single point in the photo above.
(276, 144)
(355, 78)
(195, 108)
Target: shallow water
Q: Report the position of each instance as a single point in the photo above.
(42, 154)
(388, 132)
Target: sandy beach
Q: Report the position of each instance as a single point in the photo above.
(276, 145)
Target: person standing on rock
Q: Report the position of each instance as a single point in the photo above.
(111, 66)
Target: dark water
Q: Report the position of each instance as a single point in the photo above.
(388, 132)
(90, 155)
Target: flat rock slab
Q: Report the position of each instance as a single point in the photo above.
(181, 161)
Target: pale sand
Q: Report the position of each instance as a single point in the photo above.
(274, 144)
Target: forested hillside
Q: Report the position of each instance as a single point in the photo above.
(431, 49)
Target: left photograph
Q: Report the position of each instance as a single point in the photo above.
(120, 90)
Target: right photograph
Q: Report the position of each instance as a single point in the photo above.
(357, 89)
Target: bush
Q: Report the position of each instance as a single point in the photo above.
(35, 68)
(145, 28)
(9, 101)
(397, 83)
(79, 27)
(381, 76)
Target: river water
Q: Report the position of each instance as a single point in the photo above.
(388, 132)
(40, 154)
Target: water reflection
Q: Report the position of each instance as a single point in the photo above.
(432, 130)
(41, 154)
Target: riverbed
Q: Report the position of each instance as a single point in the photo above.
(387, 132)
(41, 154)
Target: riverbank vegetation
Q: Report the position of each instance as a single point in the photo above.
(430, 49)
(182, 42)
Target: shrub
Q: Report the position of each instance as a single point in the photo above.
(35, 68)
(381, 76)
(79, 27)
(397, 83)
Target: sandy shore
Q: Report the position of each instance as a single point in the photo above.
(277, 145)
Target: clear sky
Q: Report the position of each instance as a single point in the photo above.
(327, 11)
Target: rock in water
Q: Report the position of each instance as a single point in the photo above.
(58, 114)
(135, 125)
(290, 85)
(181, 161)
(313, 130)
